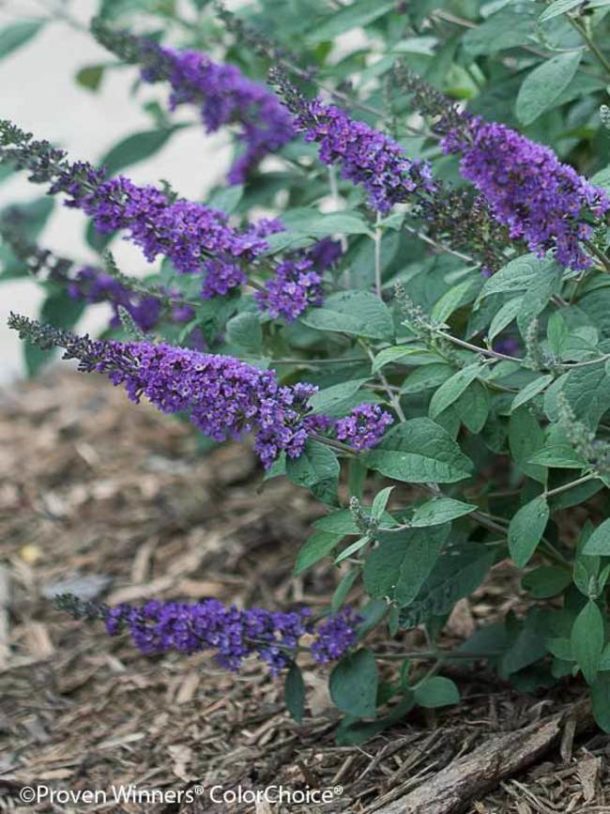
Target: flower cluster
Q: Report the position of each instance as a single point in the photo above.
(234, 634)
(292, 289)
(335, 635)
(221, 92)
(364, 427)
(223, 396)
(188, 233)
(195, 237)
(366, 156)
(529, 190)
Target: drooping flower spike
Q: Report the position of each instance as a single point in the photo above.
(529, 190)
(222, 396)
(540, 200)
(221, 92)
(233, 634)
(366, 156)
(195, 237)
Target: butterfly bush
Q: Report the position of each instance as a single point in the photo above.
(232, 633)
(223, 94)
(425, 371)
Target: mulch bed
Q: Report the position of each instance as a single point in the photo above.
(119, 500)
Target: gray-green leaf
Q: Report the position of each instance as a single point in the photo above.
(542, 87)
(526, 528)
(420, 451)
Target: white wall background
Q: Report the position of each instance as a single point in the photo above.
(38, 92)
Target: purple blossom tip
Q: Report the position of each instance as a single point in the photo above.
(544, 202)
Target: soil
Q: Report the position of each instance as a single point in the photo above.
(116, 501)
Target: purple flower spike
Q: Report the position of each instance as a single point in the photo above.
(224, 96)
(366, 156)
(529, 190)
(159, 627)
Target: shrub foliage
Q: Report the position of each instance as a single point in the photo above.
(401, 293)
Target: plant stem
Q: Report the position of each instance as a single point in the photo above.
(566, 486)
(432, 654)
(440, 246)
(393, 398)
(593, 47)
(377, 242)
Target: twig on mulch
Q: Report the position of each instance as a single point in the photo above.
(471, 776)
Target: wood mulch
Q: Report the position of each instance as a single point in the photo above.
(114, 500)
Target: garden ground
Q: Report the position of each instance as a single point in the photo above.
(103, 497)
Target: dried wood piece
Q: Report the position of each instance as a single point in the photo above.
(472, 775)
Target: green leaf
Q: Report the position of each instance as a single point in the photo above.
(526, 273)
(546, 581)
(398, 353)
(227, 198)
(341, 522)
(332, 400)
(294, 693)
(526, 528)
(440, 510)
(531, 390)
(437, 692)
(542, 86)
(525, 438)
(350, 732)
(14, 36)
(599, 541)
(452, 300)
(316, 547)
(526, 647)
(558, 7)
(558, 456)
(588, 640)
(472, 407)
(343, 588)
(90, 77)
(453, 388)
(380, 501)
(587, 390)
(504, 317)
(600, 700)
(33, 217)
(420, 451)
(58, 309)
(317, 463)
(426, 377)
(352, 312)
(457, 573)
(317, 224)
(402, 562)
(352, 549)
(353, 684)
(244, 330)
(509, 27)
(348, 17)
(136, 147)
